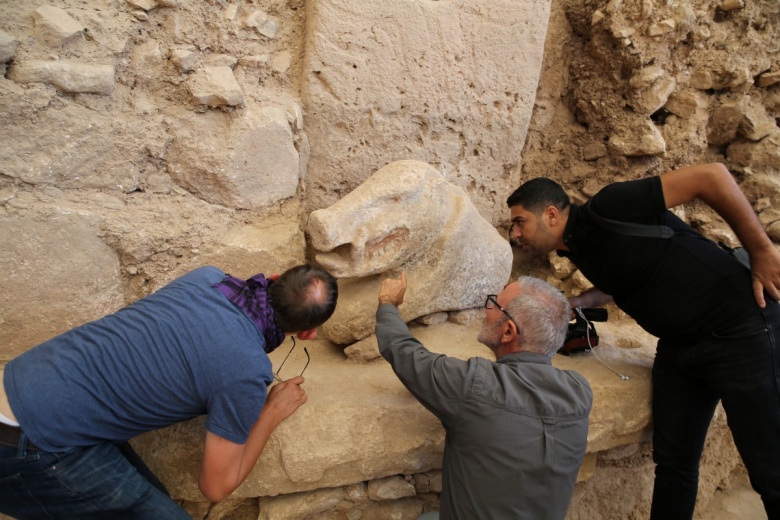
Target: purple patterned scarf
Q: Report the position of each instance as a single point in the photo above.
(252, 297)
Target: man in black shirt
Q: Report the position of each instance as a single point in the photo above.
(718, 323)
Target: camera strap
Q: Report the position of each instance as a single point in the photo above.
(656, 231)
(630, 228)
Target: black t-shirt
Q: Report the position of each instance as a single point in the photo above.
(678, 288)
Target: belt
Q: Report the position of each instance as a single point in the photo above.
(10, 436)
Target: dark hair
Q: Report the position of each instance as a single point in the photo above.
(537, 194)
(303, 298)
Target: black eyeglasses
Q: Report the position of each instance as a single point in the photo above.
(491, 302)
(276, 374)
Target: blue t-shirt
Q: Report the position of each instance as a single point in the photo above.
(181, 352)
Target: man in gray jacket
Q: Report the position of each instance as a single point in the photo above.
(516, 429)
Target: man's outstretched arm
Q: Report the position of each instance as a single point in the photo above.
(226, 464)
(714, 185)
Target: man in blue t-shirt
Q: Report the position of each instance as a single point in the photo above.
(197, 346)
(718, 322)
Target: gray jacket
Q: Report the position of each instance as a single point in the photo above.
(516, 429)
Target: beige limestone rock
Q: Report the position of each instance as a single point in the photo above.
(422, 80)
(7, 46)
(243, 161)
(762, 155)
(69, 76)
(432, 319)
(363, 350)
(757, 122)
(88, 150)
(767, 79)
(407, 217)
(58, 275)
(390, 488)
(645, 77)
(725, 120)
(272, 243)
(55, 26)
(466, 317)
(361, 424)
(684, 104)
(146, 5)
(641, 138)
(655, 96)
(215, 86)
(661, 28)
(185, 59)
(300, 505)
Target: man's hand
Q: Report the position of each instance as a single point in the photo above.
(765, 271)
(226, 464)
(392, 291)
(284, 398)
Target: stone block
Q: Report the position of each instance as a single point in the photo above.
(390, 488)
(69, 76)
(641, 138)
(246, 160)
(58, 274)
(215, 86)
(451, 83)
(360, 424)
(7, 46)
(55, 26)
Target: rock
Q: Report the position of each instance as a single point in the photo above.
(646, 77)
(215, 86)
(642, 138)
(684, 104)
(281, 62)
(393, 222)
(432, 319)
(146, 5)
(69, 76)
(184, 59)
(648, 101)
(661, 28)
(594, 150)
(363, 350)
(260, 22)
(7, 47)
(725, 120)
(62, 258)
(730, 5)
(55, 26)
(561, 267)
(702, 79)
(756, 123)
(248, 161)
(220, 60)
(763, 155)
(390, 488)
(254, 61)
(300, 505)
(455, 87)
(767, 79)
(466, 316)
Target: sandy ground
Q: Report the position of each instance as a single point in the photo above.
(738, 502)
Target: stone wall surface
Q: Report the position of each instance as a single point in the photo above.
(142, 138)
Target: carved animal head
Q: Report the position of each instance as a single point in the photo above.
(394, 215)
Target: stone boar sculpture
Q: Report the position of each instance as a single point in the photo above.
(406, 217)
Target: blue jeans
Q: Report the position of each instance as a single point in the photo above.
(98, 482)
(739, 367)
